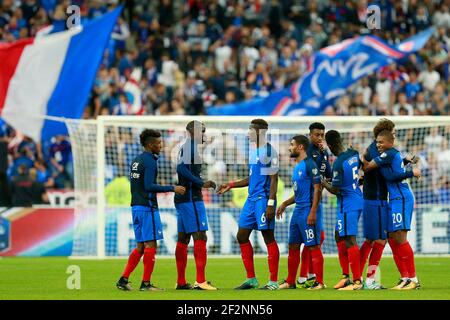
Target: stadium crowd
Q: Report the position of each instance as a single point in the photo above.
(181, 57)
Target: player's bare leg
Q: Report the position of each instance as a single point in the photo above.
(243, 238)
(354, 260)
(406, 256)
(133, 261)
(343, 261)
(200, 255)
(181, 257)
(149, 263)
(293, 263)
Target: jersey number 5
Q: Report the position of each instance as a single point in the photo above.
(355, 177)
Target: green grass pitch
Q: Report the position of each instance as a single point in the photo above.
(45, 278)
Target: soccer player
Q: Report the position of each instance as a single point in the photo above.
(258, 212)
(349, 204)
(401, 203)
(144, 207)
(375, 211)
(191, 213)
(304, 226)
(315, 151)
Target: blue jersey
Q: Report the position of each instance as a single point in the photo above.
(374, 187)
(304, 177)
(345, 177)
(189, 169)
(263, 162)
(394, 171)
(321, 159)
(143, 177)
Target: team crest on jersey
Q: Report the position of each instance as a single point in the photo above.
(335, 174)
(314, 171)
(383, 155)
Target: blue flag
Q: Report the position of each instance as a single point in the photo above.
(333, 70)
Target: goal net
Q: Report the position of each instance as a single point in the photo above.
(103, 150)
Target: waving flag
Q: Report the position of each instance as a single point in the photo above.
(332, 71)
(51, 76)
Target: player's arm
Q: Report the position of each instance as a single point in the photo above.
(410, 158)
(233, 184)
(270, 211)
(282, 207)
(316, 180)
(184, 170)
(328, 171)
(383, 159)
(393, 176)
(334, 186)
(327, 185)
(150, 186)
(312, 217)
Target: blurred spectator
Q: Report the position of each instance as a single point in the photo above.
(434, 141)
(38, 193)
(429, 77)
(22, 188)
(441, 17)
(61, 159)
(402, 107)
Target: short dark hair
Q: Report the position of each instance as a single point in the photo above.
(148, 136)
(316, 125)
(259, 124)
(387, 134)
(192, 124)
(333, 138)
(301, 140)
(383, 124)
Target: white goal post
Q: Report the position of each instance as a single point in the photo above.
(103, 148)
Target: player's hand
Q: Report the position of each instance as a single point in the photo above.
(180, 190)
(312, 218)
(209, 184)
(417, 173)
(412, 158)
(322, 146)
(224, 188)
(270, 212)
(280, 210)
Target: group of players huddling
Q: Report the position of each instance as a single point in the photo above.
(386, 203)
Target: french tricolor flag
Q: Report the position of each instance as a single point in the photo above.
(51, 76)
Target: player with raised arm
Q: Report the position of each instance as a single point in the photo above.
(315, 151)
(349, 203)
(191, 212)
(258, 212)
(304, 226)
(144, 206)
(401, 203)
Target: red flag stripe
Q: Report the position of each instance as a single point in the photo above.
(10, 54)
